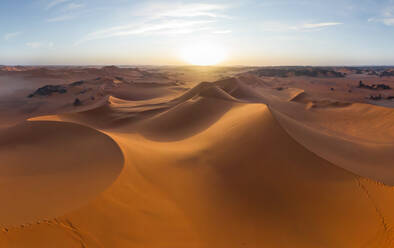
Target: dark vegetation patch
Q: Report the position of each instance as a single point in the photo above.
(373, 86)
(48, 90)
(387, 73)
(77, 102)
(298, 71)
(380, 97)
(77, 83)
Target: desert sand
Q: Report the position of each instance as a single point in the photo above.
(195, 157)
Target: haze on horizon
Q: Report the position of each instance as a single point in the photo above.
(272, 32)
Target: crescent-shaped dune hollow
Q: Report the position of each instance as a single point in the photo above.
(222, 165)
(50, 168)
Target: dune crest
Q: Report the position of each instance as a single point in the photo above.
(302, 97)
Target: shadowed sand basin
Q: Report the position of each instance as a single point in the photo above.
(210, 169)
(50, 168)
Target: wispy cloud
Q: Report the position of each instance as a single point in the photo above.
(222, 32)
(167, 27)
(175, 10)
(54, 3)
(319, 25)
(11, 35)
(386, 17)
(60, 18)
(388, 21)
(68, 10)
(167, 19)
(282, 27)
(385, 21)
(73, 6)
(36, 44)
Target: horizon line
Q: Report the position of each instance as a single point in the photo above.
(186, 65)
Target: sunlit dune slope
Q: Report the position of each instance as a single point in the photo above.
(370, 159)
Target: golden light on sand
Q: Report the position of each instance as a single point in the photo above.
(203, 54)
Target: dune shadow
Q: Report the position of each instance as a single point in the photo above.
(49, 168)
(185, 120)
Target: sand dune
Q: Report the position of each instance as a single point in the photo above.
(369, 159)
(236, 88)
(212, 167)
(302, 97)
(50, 168)
(217, 92)
(230, 88)
(185, 119)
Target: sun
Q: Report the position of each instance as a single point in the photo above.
(203, 54)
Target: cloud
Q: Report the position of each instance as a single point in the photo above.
(167, 19)
(36, 45)
(54, 3)
(73, 6)
(61, 18)
(320, 25)
(166, 27)
(386, 21)
(386, 17)
(11, 35)
(222, 32)
(282, 27)
(388, 12)
(66, 12)
(176, 10)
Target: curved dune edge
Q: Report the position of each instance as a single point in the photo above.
(358, 122)
(242, 181)
(116, 113)
(304, 98)
(185, 119)
(50, 168)
(370, 160)
(363, 122)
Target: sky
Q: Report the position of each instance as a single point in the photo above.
(248, 32)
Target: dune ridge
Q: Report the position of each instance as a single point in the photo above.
(304, 98)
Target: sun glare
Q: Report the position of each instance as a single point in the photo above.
(203, 54)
